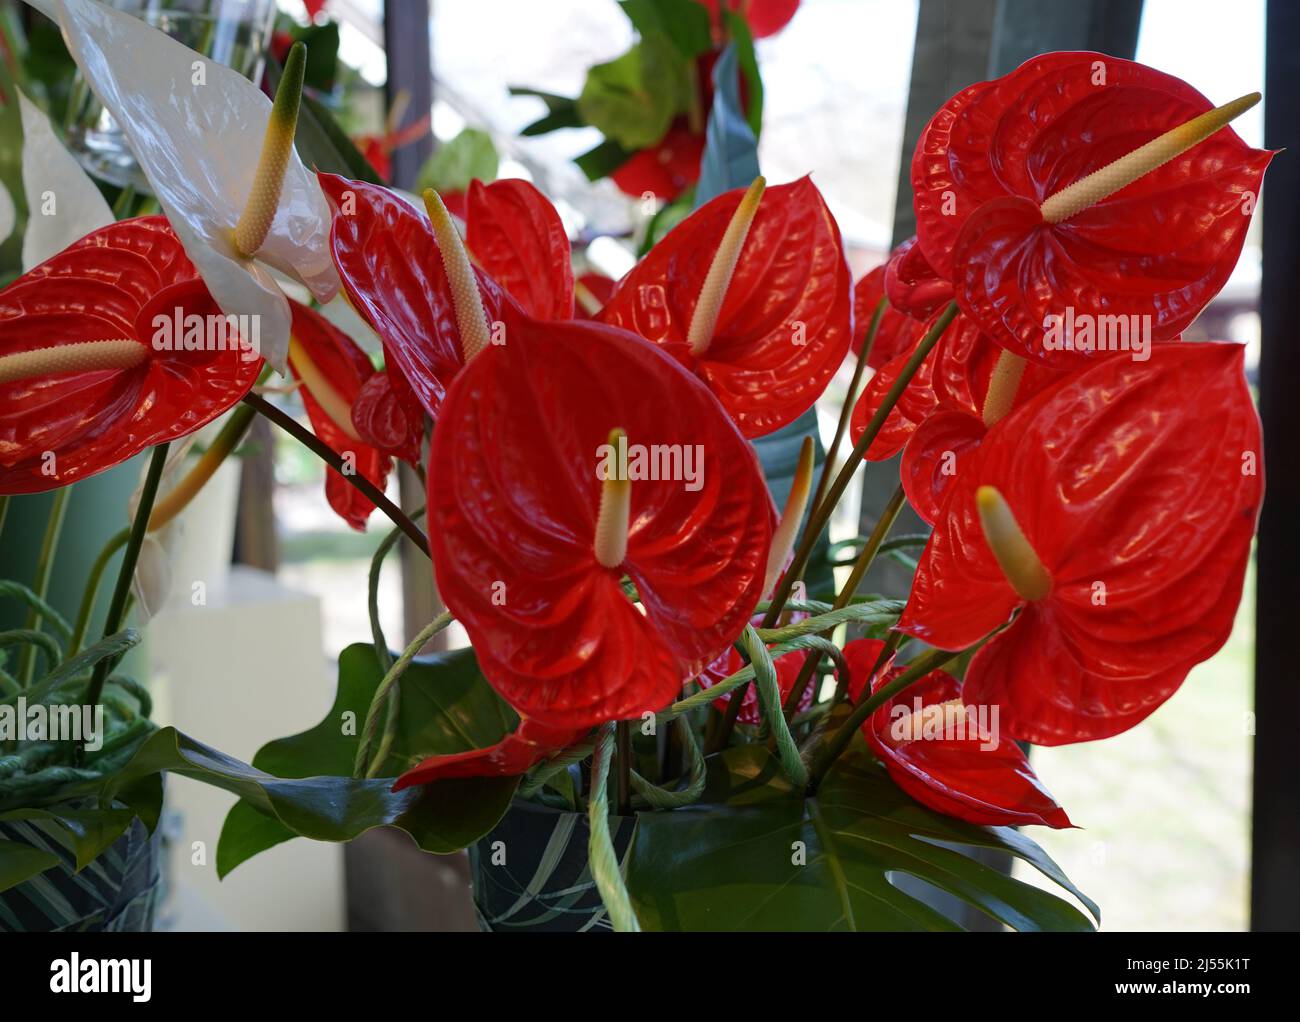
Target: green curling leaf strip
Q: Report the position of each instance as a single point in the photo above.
(604, 865)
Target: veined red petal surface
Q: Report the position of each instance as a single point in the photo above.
(933, 457)
(347, 370)
(958, 764)
(516, 236)
(392, 273)
(388, 416)
(517, 753)
(896, 333)
(786, 321)
(1138, 485)
(514, 495)
(913, 286)
(914, 406)
(1160, 248)
(129, 280)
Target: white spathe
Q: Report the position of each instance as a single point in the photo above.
(196, 128)
(63, 204)
(8, 215)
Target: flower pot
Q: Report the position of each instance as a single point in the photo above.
(118, 892)
(530, 872)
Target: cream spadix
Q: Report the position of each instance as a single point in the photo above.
(277, 148)
(1141, 161)
(705, 318)
(1015, 556)
(320, 388)
(615, 508)
(470, 316)
(81, 357)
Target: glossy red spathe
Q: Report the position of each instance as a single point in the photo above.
(1160, 248)
(896, 333)
(514, 492)
(517, 753)
(128, 280)
(392, 272)
(947, 756)
(1137, 484)
(347, 370)
(786, 321)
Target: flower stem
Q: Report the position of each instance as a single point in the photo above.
(364, 765)
(126, 571)
(865, 559)
(850, 399)
(309, 440)
(623, 741)
(44, 568)
(821, 514)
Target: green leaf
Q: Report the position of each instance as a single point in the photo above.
(19, 862)
(87, 831)
(322, 43)
(738, 28)
(561, 111)
(468, 156)
(440, 818)
(634, 98)
(445, 706)
(733, 862)
(685, 22)
(602, 160)
(778, 453)
(730, 157)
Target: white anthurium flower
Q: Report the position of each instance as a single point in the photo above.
(196, 129)
(62, 201)
(8, 215)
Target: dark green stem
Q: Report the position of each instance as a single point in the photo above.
(91, 591)
(322, 450)
(44, 568)
(126, 571)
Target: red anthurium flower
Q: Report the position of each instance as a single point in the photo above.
(334, 371)
(108, 348)
(765, 17)
(664, 170)
(516, 236)
(393, 274)
(948, 755)
(729, 661)
(517, 753)
(765, 337)
(912, 284)
(535, 517)
(1114, 511)
(1157, 249)
(897, 332)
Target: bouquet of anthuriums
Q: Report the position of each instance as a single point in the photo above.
(648, 672)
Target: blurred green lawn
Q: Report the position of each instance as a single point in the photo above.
(1165, 808)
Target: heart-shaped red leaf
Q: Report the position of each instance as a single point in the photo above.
(786, 321)
(514, 493)
(128, 280)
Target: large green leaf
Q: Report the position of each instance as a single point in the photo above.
(685, 22)
(86, 830)
(634, 98)
(730, 157)
(19, 862)
(445, 706)
(756, 855)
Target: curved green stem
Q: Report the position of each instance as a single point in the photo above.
(604, 865)
(850, 399)
(44, 568)
(126, 571)
(376, 565)
(363, 766)
(91, 592)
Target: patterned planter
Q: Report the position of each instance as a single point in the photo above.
(530, 872)
(117, 892)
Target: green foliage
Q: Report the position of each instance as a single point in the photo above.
(469, 156)
(445, 706)
(634, 98)
(756, 854)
